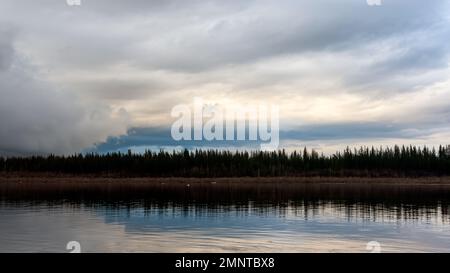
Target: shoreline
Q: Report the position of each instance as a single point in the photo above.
(222, 191)
(32, 178)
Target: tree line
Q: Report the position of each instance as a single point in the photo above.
(365, 161)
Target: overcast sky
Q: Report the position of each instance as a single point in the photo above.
(105, 75)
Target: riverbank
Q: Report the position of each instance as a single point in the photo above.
(34, 178)
(219, 191)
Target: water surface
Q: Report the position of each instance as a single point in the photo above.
(227, 218)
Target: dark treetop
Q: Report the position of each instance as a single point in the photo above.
(396, 161)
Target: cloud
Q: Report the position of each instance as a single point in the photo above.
(36, 118)
(196, 36)
(6, 50)
(327, 64)
(155, 139)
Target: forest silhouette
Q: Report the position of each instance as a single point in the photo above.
(397, 161)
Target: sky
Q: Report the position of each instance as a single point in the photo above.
(104, 76)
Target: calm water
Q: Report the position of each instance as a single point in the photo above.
(226, 218)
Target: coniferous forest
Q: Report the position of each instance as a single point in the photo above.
(373, 162)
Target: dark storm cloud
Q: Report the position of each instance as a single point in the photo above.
(140, 139)
(35, 118)
(6, 48)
